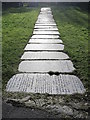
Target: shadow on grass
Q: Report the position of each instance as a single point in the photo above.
(17, 10)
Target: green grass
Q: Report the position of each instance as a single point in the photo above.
(73, 26)
(17, 28)
(18, 24)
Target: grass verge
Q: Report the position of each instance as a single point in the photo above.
(17, 28)
(73, 26)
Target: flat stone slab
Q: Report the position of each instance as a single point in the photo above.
(48, 47)
(44, 66)
(45, 9)
(44, 55)
(45, 36)
(45, 41)
(45, 27)
(46, 32)
(42, 29)
(46, 24)
(46, 19)
(43, 83)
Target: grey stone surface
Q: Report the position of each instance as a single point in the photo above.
(45, 19)
(53, 29)
(44, 66)
(45, 27)
(48, 47)
(45, 9)
(44, 55)
(47, 41)
(46, 32)
(45, 24)
(43, 83)
(45, 36)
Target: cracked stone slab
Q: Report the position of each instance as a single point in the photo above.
(45, 41)
(43, 83)
(46, 27)
(44, 66)
(45, 36)
(44, 55)
(49, 47)
(46, 32)
(45, 24)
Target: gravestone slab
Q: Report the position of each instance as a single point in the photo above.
(43, 83)
(51, 29)
(45, 36)
(44, 66)
(45, 24)
(45, 41)
(44, 55)
(45, 27)
(38, 32)
(46, 9)
(48, 47)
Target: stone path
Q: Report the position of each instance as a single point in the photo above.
(45, 68)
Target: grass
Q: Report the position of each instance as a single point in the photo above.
(73, 26)
(17, 28)
(18, 24)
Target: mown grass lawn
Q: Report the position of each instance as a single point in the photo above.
(17, 27)
(73, 26)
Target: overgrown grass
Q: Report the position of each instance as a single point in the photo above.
(73, 26)
(17, 27)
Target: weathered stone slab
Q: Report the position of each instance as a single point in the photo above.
(47, 41)
(45, 9)
(38, 32)
(44, 55)
(45, 17)
(48, 47)
(45, 20)
(43, 83)
(45, 24)
(51, 29)
(44, 66)
(45, 27)
(45, 36)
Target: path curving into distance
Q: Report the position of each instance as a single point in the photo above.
(45, 68)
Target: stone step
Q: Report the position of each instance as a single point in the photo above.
(45, 24)
(45, 9)
(44, 55)
(45, 36)
(42, 47)
(46, 27)
(44, 83)
(38, 32)
(44, 66)
(42, 29)
(45, 41)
